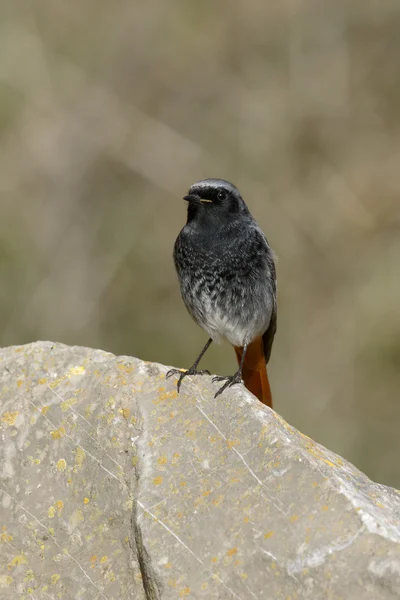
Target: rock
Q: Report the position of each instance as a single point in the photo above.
(113, 486)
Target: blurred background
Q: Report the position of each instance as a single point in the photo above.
(110, 110)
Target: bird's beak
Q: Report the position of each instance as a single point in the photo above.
(195, 198)
(192, 198)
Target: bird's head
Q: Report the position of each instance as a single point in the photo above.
(214, 199)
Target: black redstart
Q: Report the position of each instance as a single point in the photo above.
(227, 277)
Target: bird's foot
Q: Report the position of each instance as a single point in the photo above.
(229, 380)
(183, 373)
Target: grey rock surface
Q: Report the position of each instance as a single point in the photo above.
(113, 486)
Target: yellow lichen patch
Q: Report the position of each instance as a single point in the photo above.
(42, 381)
(182, 483)
(20, 382)
(17, 560)
(184, 592)
(68, 403)
(165, 396)
(54, 579)
(56, 382)
(93, 560)
(214, 559)
(325, 507)
(135, 460)
(61, 464)
(293, 518)
(232, 551)
(320, 457)
(59, 507)
(115, 442)
(268, 535)
(5, 537)
(77, 517)
(110, 576)
(5, 581)
(103, 559)
(206, 493)
(9, 418)
(80, 370)
(168, 565)
(204, 585)
(44, 410)
(51, 513)
(244, 575)
(162, 460)
(80, 457)
(125, 412)
(58, 433)
(232, 443)
(86, 501)
(218, 500)
(158, 480)
(246, 519)
(175, 458)
(319, 453)
(51, 530)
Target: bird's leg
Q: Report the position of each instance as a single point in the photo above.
(193, 369)
(231, 379)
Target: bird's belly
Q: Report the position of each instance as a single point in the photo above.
(234, 318)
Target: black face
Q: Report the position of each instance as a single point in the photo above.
(214, 198)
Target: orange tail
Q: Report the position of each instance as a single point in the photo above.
(254, 373)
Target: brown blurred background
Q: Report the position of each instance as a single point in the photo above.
(110, 110)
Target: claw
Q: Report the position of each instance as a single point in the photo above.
(183, 373)
(174, 372)
(229, 381)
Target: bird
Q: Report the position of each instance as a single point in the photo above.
(227, 275)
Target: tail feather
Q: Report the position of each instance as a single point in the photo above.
(254, 372)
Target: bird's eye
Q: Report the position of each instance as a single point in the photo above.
(221, 195)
